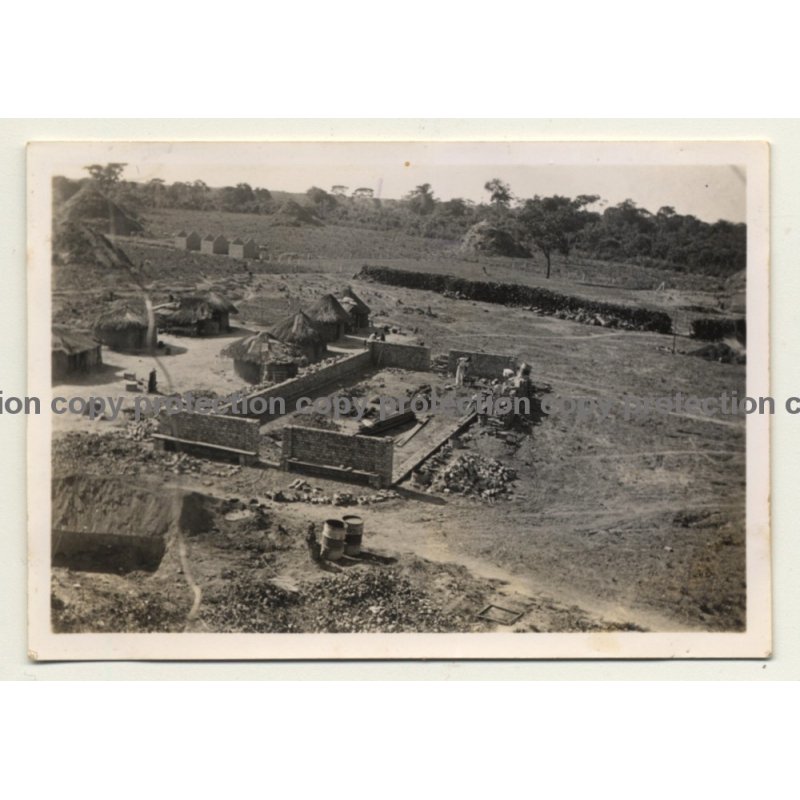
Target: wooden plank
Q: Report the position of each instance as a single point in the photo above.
(409, 435)
(387, 424)
(463, 423)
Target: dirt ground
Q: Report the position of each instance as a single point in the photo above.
(632, 524)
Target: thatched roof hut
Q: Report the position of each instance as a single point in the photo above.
(126, 325)
(298, 329)
(204, 314)
(263, 356)
(330, 318)
(78, 243)
(358, 310)
(90, 205)
(74, 353)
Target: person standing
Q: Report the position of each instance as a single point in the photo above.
(461, 371)
(312, 543)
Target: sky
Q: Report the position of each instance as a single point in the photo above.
(710, 191)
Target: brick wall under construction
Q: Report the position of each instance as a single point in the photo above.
(329, 449)
(216, 429)
(311, 384)
(326, 379)
(404, 356)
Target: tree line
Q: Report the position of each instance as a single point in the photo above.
(550, 225)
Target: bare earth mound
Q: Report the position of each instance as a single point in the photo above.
(485, 239)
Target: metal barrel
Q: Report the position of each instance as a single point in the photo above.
(333, 533)
(354, 532)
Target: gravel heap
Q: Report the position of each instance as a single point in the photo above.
(359, 601)
(384, 601)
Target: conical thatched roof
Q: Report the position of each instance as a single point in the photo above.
(214, 301)
(297, 329)
(89, 204)
(262, 348)
(361, 306)
(124, 314)
(71, 342)
(75, 242)
(329, 309)
(218, 302)
(188, 312)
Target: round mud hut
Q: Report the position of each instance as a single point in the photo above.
(358, 310)
(330, 318)
(126, 325)
(263, 357)
(298, 330)
(206, 314)
(74, 353)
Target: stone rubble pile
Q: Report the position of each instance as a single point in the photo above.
(301, 491)
(474, 475)
(140, 431)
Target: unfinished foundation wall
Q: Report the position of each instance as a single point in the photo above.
(332, 453)
(313, 383)
(213, 429)
(481, 365)
(404, 356)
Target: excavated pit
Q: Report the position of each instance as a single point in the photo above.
(111, 525)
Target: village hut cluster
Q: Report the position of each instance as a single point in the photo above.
(299, 339)
(274, 355)
(217, 245)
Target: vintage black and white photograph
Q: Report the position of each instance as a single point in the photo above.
(398, 400)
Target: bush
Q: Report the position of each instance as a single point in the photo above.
(714, 330)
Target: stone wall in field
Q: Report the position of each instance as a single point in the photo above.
(541, 301)
(309, 448)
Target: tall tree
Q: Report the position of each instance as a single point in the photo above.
(500, 193)
(105, 176)
(552, 223)
(421, 200)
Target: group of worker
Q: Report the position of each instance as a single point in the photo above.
(513, 384)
